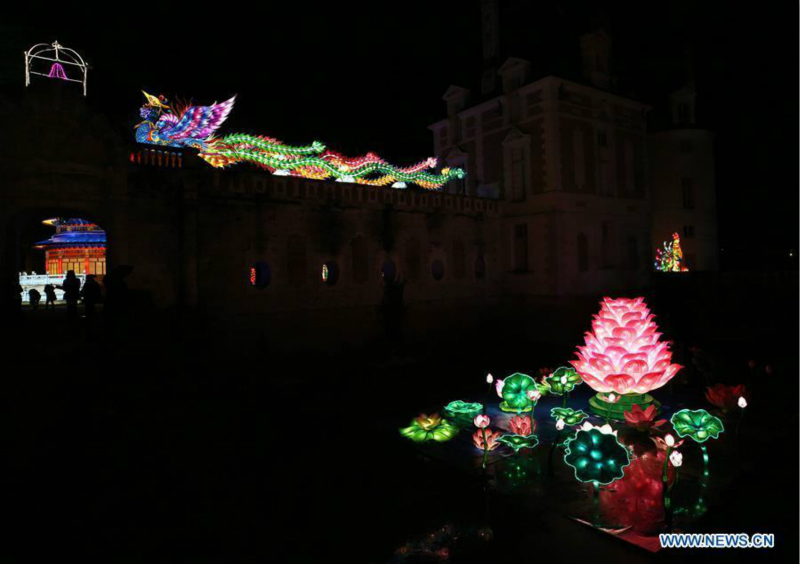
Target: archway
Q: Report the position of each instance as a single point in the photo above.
(43, 245)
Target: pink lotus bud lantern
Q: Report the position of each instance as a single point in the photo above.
(624, 355)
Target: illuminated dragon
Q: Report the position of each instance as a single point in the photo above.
(194, 127)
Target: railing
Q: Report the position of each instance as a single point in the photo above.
(39, 281)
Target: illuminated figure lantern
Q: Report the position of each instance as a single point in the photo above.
(194, 127)
(624, 358)
(670, 258)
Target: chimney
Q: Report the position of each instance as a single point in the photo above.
(490, 33)
(595, 50)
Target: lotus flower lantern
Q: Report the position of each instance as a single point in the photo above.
(625, 356)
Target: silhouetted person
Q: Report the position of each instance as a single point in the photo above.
(50, 296)
(14, 297)
(34, 297)
(91, 294)
(72, 293)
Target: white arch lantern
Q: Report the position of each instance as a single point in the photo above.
(63, 64)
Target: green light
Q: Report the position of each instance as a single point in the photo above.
(515, 389)
(596, 456)
(570, 416)
(460, 407)
(563, 380)
(518, 442)
(426, 428)
(699, 425)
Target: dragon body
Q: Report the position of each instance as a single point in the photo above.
(194, 127)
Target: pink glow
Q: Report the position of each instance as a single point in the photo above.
(624, 353)
(57, 71)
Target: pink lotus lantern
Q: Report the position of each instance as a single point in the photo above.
(624, 354)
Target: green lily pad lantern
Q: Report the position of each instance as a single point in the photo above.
(462, 412)
(570, 416)
(429, 428)
(515, 393)
(518, 442)
(596, 455)
(563, 380)
(699, 425)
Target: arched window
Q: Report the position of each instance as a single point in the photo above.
(358, 249)
(388, 271)
(458, 260)
(480, 268)
(583, 253)
(437, 269)
(296, 260)
(633, 253)
(260, 274)
(330, 273)
(413, 259)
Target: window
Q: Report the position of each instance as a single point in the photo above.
(480, 268)
(602, 139)
(688, 231)
(687, 189)
(521, 247)
(630, 177)
(388, 271)
(330, 273)
(607, 245)
(358, 248)
(683, 112)
(633, 253)
(583, 253)
(260, 274)
(296, 260)
(686, 146)
(518, 174)
(443, 139)
(469, 127)
(580, 160)
(458, 260)
(437, 270)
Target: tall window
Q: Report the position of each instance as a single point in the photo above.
(688, 231)
(687, 190)
(633, 253)
(518, 173)
(580, 160)
(358, 249)
(296, 260)
(683, 113)
(630, 176)
(521, 247)
(607, 245)
(583, 253)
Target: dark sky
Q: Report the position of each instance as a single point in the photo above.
(369, 76)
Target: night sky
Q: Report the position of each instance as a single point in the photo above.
(370, 76)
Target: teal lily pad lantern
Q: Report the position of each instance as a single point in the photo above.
(518, 442)
(595, 454)
(462, 412)
(429, 428)
(515, 393)
(563, 380)
(570, 416)
(699, 425)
